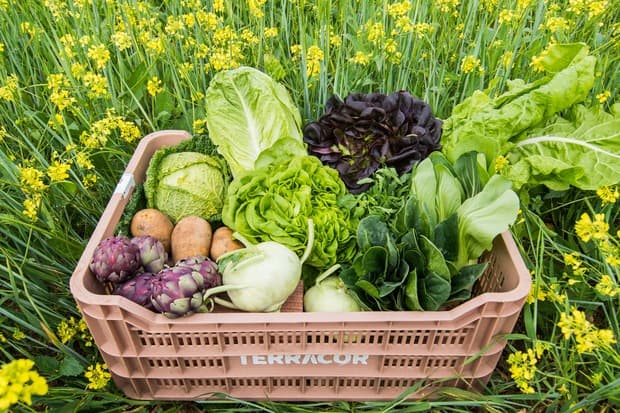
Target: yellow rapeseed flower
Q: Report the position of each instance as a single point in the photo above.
(96, 83)
(608, 194)
(469, 64)
(255, 7)
(603, 96)
(399, 9)
(18, 383)
(58, 171)
(66, 330)
(314, 57)
(62, 99)
(57, 81)
(218, 5)
(523, 369)
(31, 206)
(508, 16)
(154, 86)
(501, 162)
(361, 58)
(100, 55)
(555, 23)
(607, 286)
(587, 336)
(587, 229)
(270, 32)
(122, 40)
(375, 32)
(89, 180)
(31, 179)
(10, 88)
(98, 376)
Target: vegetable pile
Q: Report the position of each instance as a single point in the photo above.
(375, 206)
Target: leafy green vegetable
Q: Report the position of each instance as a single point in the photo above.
(581, 149)
(490, 125)
(180, 184)
(426, 255)
(275, 202)
(248, 113)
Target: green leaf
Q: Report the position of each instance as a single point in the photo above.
(372, 231)
(463, 282)
(411, 292)
(435, 261)
(70, 366)
(46, 365)
(447, 237)
(433, 291)
(369, 288)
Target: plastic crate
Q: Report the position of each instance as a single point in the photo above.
(296, 355)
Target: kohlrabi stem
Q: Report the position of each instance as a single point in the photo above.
(327, 273)
(310, 241)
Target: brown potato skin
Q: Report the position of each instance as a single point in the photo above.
(191, 236)
(153, 222)
(223, 242)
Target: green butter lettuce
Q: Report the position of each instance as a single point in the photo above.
(247, 114)
(275, 202)
(491, 125)
(581, 149)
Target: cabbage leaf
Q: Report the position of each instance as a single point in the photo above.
(247, 113)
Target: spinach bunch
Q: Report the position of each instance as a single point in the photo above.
(425, 256)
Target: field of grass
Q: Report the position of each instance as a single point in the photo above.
(81, 81)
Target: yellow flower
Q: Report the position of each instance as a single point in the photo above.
(128, 130)
(603, 96)
(31, 179)
(58, 171)
(89, 180)
(469, 64)
(100, 55)
(255, 7)
(586, 229)
(96, 83)
(9, 90)
(154, 86)
(507, 16)
(98, 376)
(608, 194)
(83, 161)
(296, 52)
(314, 57)
(18, 383)
(271, 32)
(587, 336)
(523, 369)
(555, 23)
(361, 58)
(31, 206)
(399, 9)
(218, 5)
(500, 163)
(66, 329)
(122, 40)
(375, 32)
(57, 81)
(506, 59)
(607, 286)
(62, 99)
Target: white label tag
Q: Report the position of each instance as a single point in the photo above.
(126, 184)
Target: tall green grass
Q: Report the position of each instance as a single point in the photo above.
(365, 46)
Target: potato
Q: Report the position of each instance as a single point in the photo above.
(223, 242)
(191, 236)
(153, 222)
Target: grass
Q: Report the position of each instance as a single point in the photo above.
(82, 81)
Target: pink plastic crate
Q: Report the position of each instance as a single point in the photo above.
(293, 355)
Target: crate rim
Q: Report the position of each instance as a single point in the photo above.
(102, 229)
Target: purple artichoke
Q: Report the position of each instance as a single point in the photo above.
(137, 289)
(206, 267)
(115, 260)
(365, 132)
(153, 255)
(177, 291)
